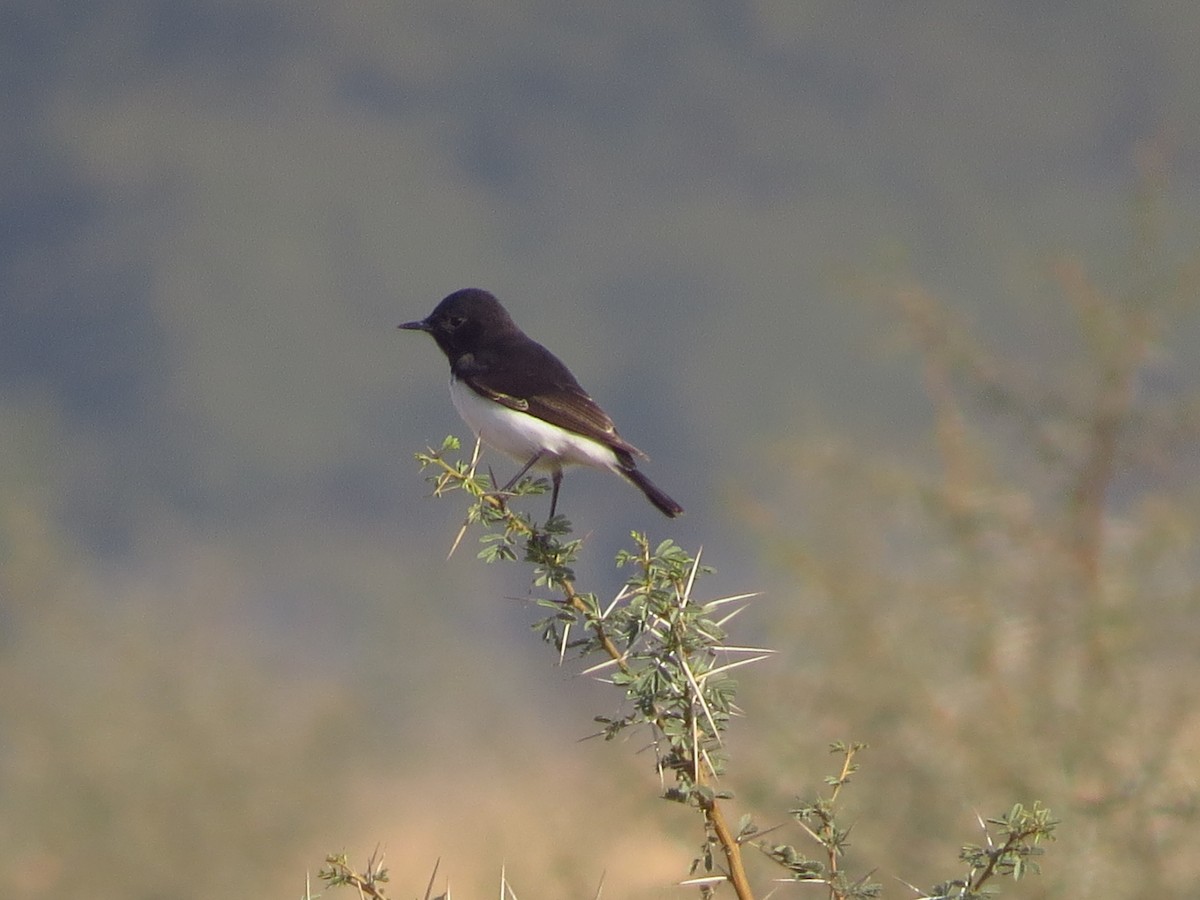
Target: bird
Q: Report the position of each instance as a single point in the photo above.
(522, 400)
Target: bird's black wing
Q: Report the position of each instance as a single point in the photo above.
(542, 386)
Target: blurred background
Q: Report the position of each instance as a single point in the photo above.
(899, 298)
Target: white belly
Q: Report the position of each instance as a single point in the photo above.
(521, 435)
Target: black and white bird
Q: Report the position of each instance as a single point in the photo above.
(520, 398)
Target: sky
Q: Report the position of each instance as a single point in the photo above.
(215, 214)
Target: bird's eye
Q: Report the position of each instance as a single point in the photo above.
(454, 321)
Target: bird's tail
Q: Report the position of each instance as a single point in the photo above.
(665, 504)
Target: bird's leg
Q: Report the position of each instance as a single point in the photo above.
(556, 478)
(525, 468)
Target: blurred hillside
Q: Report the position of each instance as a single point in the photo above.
(228, 641)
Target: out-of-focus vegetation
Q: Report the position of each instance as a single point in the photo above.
(228, 638)
(1014, 616)
(1018, 613)
(146, 749)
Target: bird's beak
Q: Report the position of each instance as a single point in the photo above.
(421, 325)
